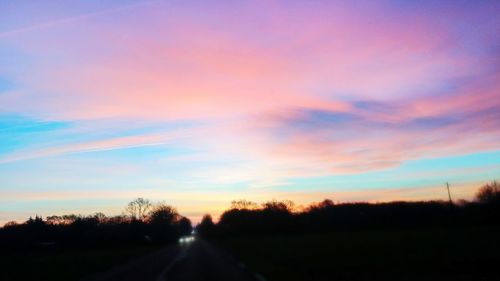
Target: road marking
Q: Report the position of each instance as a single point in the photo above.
(179, 257)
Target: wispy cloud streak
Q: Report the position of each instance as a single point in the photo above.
(71, 19)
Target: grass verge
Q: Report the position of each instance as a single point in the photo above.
(410, 254)
(67, 265)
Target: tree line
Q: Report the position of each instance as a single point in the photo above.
(154, 223)
(273, 217)
(142, 222)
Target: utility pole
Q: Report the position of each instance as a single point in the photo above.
(449, 194)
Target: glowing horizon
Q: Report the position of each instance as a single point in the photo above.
(199, 103)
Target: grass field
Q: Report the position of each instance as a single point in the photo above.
(420, 254)
(67, 266)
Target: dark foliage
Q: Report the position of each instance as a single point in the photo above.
(489, 194)
(162, 224)
(278, 217)
(206, 227)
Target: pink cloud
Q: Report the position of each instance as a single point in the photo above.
(204, 69)
(159, 65)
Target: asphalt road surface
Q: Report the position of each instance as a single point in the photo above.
(195, 260)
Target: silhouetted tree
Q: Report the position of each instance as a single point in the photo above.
(163, 219)
(163, 214)
(101, 217)
(206, 226)
(54, 220)
(274, 205)
(69, 219)
(138, 209)
(162, 223)
(118, 220)
(243, 204)
(184, 226)
(10, 224)
(489, 193)
(326, 203)
(37, 221)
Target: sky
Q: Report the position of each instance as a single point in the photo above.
(197, 103)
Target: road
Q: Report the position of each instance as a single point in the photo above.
(196, 260)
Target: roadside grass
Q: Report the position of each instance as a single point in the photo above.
(411, 254)
(67, 265)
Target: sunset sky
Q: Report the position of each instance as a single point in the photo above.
(197, 103)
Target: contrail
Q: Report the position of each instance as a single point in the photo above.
(70, 19)
(94, 146)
